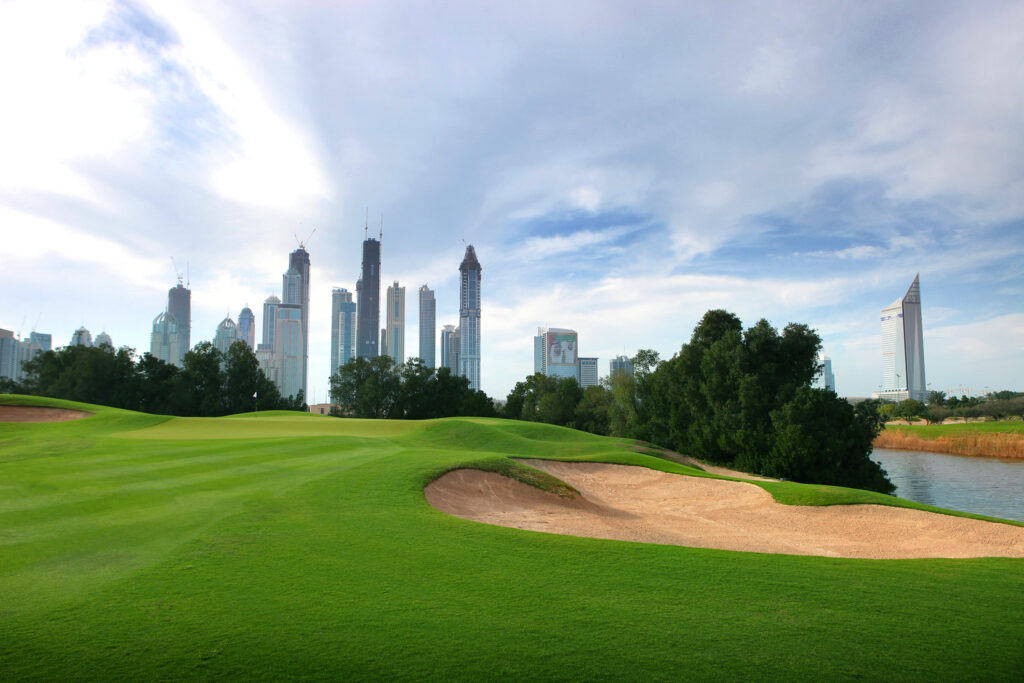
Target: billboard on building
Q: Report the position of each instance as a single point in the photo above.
(562, 347)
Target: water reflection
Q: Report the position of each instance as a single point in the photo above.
(985, 486)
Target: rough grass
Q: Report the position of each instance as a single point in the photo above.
(280, 555)
(985, 439)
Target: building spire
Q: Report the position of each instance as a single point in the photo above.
(367, 229)
(382, 227)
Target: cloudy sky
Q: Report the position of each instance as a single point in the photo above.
(620, 167)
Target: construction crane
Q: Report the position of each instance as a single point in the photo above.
(302, 245)
(177, 271)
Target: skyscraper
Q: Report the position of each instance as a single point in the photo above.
(588, 372)
(903, 348)
(469, 318)
(343, 328)
(247, 327)
(295, 291)
(103, 338)
(289, 349)
(826, 380)
(270, 307)
(396, 323)
(226, 335)
(9, 355)
(428, 312)
(557, 351)
(179, 305)
(164, 340)
(449, 349)
(81, 337)
(619, 364)
(368, 300)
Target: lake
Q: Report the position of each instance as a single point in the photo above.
(984, 486)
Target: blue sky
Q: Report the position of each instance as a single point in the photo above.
(620, 168)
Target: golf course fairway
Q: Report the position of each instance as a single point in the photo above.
(286, 545)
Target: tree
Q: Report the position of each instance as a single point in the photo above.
(819, 439)
(909, 408)
(592, 411)
(241, 379)
(728, 395)
(366, 387)
(558, 407)
(203, 380)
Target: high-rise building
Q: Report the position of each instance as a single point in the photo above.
(449, 348)
(81, 337)
(469, 318)
(164, 340)
(270, 307)
(179, 305)
(384, 342)
(289, 349)
(9, 355)
(588, 372)
(903, 348)
(619, 364)
(396, 323)
(825, 380)
(558, 352)
(226, 335)
(45, 341)
(343, 328)
(368, 300)
(428, 328)
(247, 327)
(103, 338)
(295, 291)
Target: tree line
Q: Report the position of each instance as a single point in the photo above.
(209, 384)
(731, 396)
(997, 405)
(378, 388)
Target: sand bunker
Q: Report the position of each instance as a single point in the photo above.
(39, 414)
(637, 504)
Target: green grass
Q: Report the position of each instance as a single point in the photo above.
(953, 430)
(281, 546)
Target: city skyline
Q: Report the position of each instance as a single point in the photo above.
(797, 165)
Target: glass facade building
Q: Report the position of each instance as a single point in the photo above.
(396, 323)
(343, 328)
(469, 318)
(903, 348)
(428, 326)
(368, 301)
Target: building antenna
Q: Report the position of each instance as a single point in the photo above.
(367, 228)
(382, 227)
(188, 278)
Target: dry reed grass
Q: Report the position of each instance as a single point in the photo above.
(972, 444)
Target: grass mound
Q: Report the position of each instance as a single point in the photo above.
(292, 546)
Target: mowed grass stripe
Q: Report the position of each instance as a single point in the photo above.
(330, 571)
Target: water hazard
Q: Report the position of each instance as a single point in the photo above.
(984, 486)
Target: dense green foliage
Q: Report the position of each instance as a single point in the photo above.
(297, 546)
(209, 384)
(999, 405)
(376, 388)
(731, 396)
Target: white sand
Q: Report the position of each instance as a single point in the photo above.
(637, 504)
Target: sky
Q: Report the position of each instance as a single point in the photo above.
(619, 167)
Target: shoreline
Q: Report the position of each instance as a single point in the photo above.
(977, 445)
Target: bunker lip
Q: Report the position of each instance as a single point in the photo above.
(39, 414)
(630, 503)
